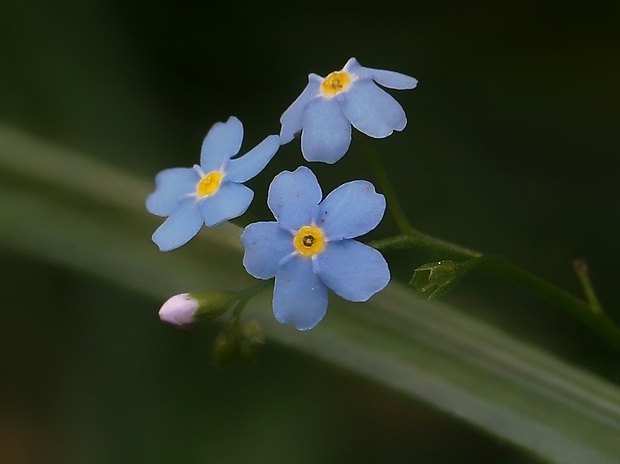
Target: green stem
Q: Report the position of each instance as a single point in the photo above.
(589, 313)
(410, 236)
(581, 268)
(394, 205)
(246, 294)
(254, 290)
(497, 265)
(417, 239)
(597, 321)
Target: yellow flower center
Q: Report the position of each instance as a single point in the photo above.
(209, 184)
(309, 241)
(336, 82)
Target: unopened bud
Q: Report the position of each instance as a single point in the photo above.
(252, 338)
(187, 308)
(236, 343)
(225, 347)
(179, 310)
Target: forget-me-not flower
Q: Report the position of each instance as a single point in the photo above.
(310, 247)
(209, 193)
(326, 109)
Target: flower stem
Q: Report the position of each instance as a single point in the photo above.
(254, 290)
(394, 205)
(581, 268)
(246, 294)
(598, 321)
(416, 239)
(589, 313)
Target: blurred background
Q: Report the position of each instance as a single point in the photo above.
(511, 148)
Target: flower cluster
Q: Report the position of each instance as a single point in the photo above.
(311, 245)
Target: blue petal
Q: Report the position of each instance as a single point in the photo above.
(249, 165)
(230, 201)
(353, 270)
(182, 225)
(171, 185)
(292, 118)
(351, 210)
(294, 197)
(222, 142)
(372, 110)
(265, 244)
(326, 134)
(299, 296)
(389, 79)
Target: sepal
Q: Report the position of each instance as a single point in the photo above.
(237, 342)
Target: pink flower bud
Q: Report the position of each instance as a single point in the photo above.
(179, 310)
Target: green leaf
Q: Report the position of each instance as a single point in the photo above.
(72, 210)
(433, 280)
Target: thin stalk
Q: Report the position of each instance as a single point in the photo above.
(598, 321)
(581, 268)
(589, 313)
(416, 239)
(393, 204)
(254, 290)
(246, 295)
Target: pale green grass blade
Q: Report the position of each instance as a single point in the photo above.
(424, 349)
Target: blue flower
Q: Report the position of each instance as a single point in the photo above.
(209, 193)
(310, 248)
(328, 106)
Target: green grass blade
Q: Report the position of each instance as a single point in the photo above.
(424, 349)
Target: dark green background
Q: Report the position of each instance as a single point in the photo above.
(511, 148)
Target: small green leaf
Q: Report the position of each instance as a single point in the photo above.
(433, 280)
